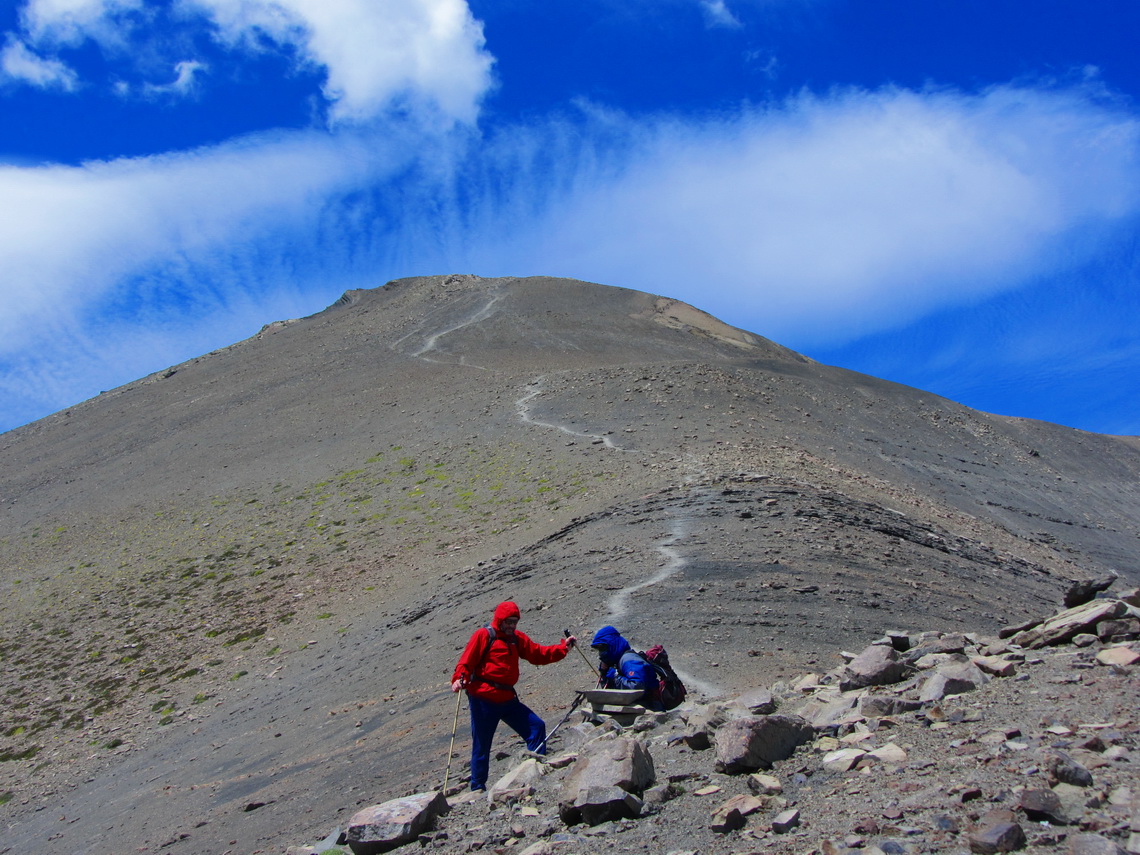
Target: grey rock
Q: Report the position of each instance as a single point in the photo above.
(698, 740)
(878, 706)
(952, 679)
(383, 827)
(1118, 629)
(1085, 590)
(1074, 800)
(949, 643)
(1062, 768)
(596, 805)
(997, 837)
(747, 745)
(1042, 805)
(757, 702)
(823, 713)
(899, 640)
(1093, 844)
(878, 665)
(786, 821)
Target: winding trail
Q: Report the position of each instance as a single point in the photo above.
(617, 606)
(522, 407)
(431, 341)
(678, 527)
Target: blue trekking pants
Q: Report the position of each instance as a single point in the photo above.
(485, 717)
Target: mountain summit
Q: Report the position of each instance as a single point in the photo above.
(246, 579)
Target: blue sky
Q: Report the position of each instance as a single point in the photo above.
(945, 194)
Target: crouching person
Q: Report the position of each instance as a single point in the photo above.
(621, 667)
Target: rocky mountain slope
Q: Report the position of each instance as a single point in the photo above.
(246, 578)
(924, 742)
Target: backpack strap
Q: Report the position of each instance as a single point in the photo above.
(477, 676)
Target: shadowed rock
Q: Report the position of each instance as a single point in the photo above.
(878, 665)
(383, 827)
(623, 763)
(1084, 591)
(746, 745)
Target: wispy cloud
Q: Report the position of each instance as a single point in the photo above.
(717, 14)
(835, 216)
(812, 222)
(19, 64)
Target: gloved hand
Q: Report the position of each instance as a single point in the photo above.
(610, 676)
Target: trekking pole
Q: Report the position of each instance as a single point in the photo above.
(566, 633)
(581, 696)
(451, 748)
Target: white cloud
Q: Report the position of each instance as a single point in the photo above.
(71, 238)
(426, 57)
(184, 83)
(71, 22)
(378, 53)
(17, 63)
(815, 222)
(717, 14)
(835, 216)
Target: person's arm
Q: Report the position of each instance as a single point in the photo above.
(473, 654)
(542, 654)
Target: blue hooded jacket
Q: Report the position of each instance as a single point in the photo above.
(630, 670)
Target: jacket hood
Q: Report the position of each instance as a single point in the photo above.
(503, 611)
(609, 644)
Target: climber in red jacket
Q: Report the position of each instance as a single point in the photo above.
(488, 670)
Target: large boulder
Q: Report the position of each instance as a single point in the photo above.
(878, 665)
(953, 678)
(621, 762)
(758, 701)
(749, 744)
(386, 826)
(878, 706)
(596, 805)
(1063, 626)
(1085, 590)
(517, 783)
(829, 711)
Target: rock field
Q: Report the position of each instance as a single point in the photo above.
(924, 742)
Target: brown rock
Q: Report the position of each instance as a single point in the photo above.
(386, 826)
(878, 665)
(1042, 805)
(995, 665)
(746, 745)
(952, 679)
(1120, 656)
(623, 763)
(1064, 625)
(731, 815)
(1092, 844)
(998, 837)
(786, 821)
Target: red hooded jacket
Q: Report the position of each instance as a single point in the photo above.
(491, 668)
